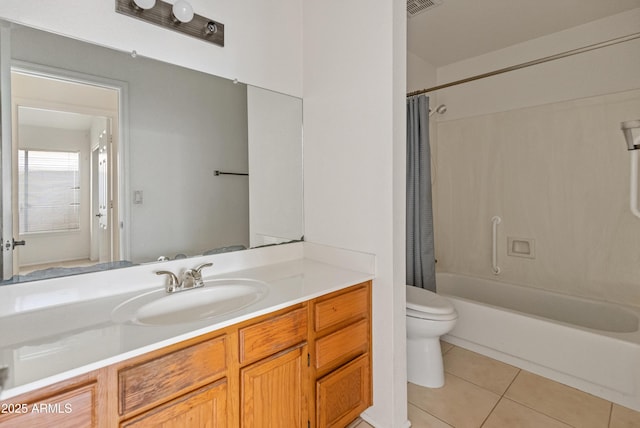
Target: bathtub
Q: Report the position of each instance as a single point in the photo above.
(590, 345)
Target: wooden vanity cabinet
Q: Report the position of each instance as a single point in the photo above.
(265, 372)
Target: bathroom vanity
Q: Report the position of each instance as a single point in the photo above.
(300, 356)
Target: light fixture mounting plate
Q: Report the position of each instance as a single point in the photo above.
(161, 14)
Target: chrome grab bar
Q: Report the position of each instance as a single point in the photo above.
(494, 246)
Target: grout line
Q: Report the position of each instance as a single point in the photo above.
(482, 387)
(550, 416)
(474, 384)
(491, 412)
(502, 397)
(432, 415)
(512, 381)
(540, 412)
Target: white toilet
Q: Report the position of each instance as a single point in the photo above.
(429, 316)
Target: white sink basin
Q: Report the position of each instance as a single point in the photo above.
(217, 297)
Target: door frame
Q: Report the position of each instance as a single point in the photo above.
(120, 187)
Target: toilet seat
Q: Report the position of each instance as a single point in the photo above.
(428, 305)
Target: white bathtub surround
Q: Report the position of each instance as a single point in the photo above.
(590, 345)
(52, 330)
(557, 174)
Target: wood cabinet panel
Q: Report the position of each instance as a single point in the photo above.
(273, 391)
(206, 407)
(345, 393)
(273, 335)
(335, 310)
(342, 345)
(161, 378)
(74, 408)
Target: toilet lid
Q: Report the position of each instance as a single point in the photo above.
(422, 300)
(432, 317)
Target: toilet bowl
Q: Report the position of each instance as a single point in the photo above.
(429, 316)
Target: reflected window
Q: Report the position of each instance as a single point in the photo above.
(48, 191)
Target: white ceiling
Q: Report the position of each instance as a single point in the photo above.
(460, 29)
(54, 119)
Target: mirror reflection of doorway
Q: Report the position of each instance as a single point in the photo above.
(63, 198)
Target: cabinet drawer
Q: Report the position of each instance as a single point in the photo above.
(206, 407)
(345, 393)
(156, 380)
(75, 408)
(335, 310)
(342, 345)
(273, 335)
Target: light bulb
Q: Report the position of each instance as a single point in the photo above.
(144, 4)
(182, 11)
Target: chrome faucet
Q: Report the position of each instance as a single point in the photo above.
(192, 278)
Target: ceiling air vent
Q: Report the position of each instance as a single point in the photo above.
(416, 7)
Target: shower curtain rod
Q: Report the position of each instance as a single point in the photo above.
(530, 63)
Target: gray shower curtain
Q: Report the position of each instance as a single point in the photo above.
(421, 271)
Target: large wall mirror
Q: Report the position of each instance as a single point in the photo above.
(110, 160)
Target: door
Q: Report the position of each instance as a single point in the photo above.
(273, 391)
(101, 197)
(64, 211)
(6, 158)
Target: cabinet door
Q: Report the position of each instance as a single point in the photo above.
(205, 407)
(345, 393)
(273, 391)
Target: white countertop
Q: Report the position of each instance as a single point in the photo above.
(51, 344)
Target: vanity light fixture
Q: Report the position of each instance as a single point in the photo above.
(177, 17)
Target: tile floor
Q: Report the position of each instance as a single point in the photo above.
(482, 392)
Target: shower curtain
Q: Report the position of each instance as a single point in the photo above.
(420, 254)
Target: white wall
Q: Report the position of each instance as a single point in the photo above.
(275, 162)
(354, 73)
(420, 74)
(597, 72)
(354, 137)
(263, 43)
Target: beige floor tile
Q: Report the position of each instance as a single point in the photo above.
(354, 424)
(458, 403)
(511, 414)
(483, 371)
(363, 424)
(561, 402)
(445, 347)
(622, 417)
(421, 419)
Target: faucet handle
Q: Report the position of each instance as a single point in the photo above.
(197, 269)
(174, 282)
